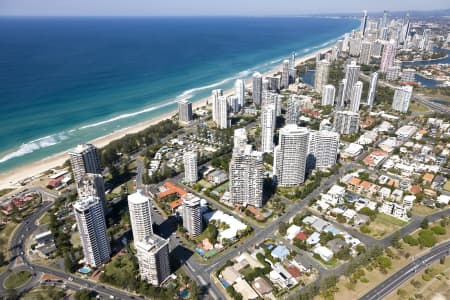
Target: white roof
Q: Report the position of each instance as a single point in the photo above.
(292, 231)
(336, 190)
(353, 149)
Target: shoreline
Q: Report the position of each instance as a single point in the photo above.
(11, 178)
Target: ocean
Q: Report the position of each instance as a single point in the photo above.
(65, 81)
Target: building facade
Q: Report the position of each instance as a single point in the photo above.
(140, 210)
(153, 258)
(92, 227)
(192, 215)
(84, 159)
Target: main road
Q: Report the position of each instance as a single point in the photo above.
(397, 279)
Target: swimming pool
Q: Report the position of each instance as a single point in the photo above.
(84, 270)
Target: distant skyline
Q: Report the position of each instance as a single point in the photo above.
(205, 7)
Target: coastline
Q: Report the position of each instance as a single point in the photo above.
(10, 178)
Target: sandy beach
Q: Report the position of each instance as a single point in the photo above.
(10, 179)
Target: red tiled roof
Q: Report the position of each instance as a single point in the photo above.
(301, 236)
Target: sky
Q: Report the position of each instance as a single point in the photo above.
(207, 7)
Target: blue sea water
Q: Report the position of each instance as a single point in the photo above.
(69, 80)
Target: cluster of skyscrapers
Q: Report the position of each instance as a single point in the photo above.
(90, 209)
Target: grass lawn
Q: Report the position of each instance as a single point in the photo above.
(439, 285)
(205, 184)
(418, 107)
(5, 233)
(45, 219)
(447, 186)
(75, 239)
(331, 264)
(222, 188)
(384, 225)
(16, 279)
(5, 191)
(422, 210)
(375, 277)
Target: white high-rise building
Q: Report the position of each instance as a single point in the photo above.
(366, 50)
(153, 258)
(409, 75)
(340, 99)
(247, 177)
(355, 98)
(190, 167)
(351, 77)
(192, 215)
(92, 185)
(355, 46)
(268, 124)
(285, 75)
(364, 23)
(292, 60)
(140, 215)
(239, 90)
(222, 114)
(271, 98)
(346, 122)
(240, 138)
(388, 57)
(372, 89)
(321, 75)
(323, 148)
(293, 110)
(215, 104)
(328, 95)
(402, 98)
(290, 155)
(257, 88)
(92, 227)
(84, 159)
(185, 111)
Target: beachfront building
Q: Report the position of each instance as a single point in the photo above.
(84, 159)
(355, 98)
(192, 215)
(153, 259)
(402, 98)
(140, 210)
(222, 113)
(372, 89)
(246, 177)
(346, 122)
(92, 227)
(92, 185)
(215, 94)
(323, 149)
(190, 167)
(388, 57)
(239, 90)
(185, 111)
(351, 77)
(321, 75)
(290, 155)
(268, 123)
(328, 95)
(285, 74)
(257, 88)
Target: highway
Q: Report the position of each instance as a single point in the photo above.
(397, 279)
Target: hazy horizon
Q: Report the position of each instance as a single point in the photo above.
(141, 8)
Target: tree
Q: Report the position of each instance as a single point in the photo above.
(396, 240)
(69, 264)
(282, 228)
(426, 238)
(83, 295)
(194, 290)
(2, 258)
(425, 223)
